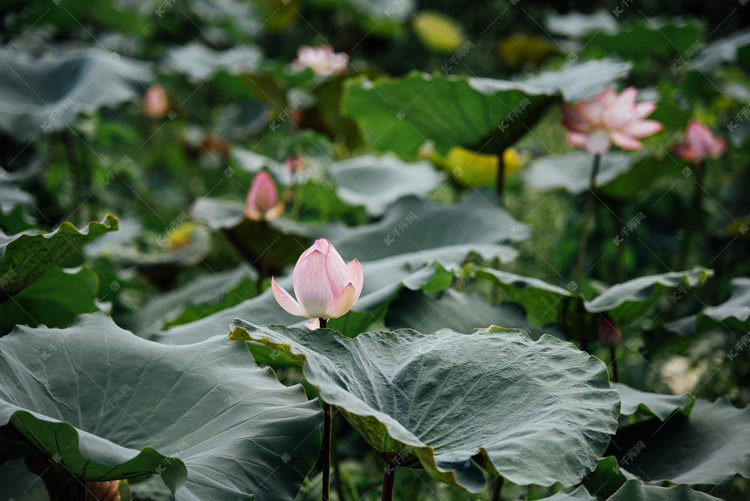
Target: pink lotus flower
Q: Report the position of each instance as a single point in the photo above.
(609, 332)
(699, 143)
(322, 60)
(294, 163)
(325, 286)
(609, 118)
(262, 199)
(155, 102)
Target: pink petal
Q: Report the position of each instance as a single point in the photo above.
(285, 300)
(641, 128)
(574, 120)
(313, 324)
(718, 148)
(687, 153)
(357, 276)
(341, 303)
(598, 142)
(592, 110)
(274, 212)
(311, 283)
(577, 139)
(698, 135)
(337, 272)
(644, 109)
(626, 141)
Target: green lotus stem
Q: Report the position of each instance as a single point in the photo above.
(337, 470)
(693, 215)
(262, 266)
(587, 217)
(327, 435)
(500, 182)
(389, 477)
(613, 357)
(497, 488)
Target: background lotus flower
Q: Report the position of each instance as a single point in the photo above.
(699, 143)
(155, 102)
(609, 118)
(262, 199)
(294, 163)
(322, 60)
(325, 286)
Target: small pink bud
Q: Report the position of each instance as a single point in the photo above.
(262, 199)
(609, 118)
(699, 143)
(155, 102)
(325, 286)
(609, 333)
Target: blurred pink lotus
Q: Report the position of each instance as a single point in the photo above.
(155, 102)
(294, 163)
(262, 199)
(609, 118)
(700, 142)
(609, 332)
(322, 60)
(325, 286)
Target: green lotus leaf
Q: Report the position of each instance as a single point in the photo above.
(400, 114)
(24, 257)
(656, 404)
(42, 301)
(733, 314)
(106, 405)
(454, 401)
(635, 489)
(39, 95)
(623, 302)
(709, 447)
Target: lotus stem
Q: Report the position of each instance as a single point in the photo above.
(587, 217)
(500, 182)
(613, 357)
(497, 488)
(327, 435)
(389, 477)
(694, 216)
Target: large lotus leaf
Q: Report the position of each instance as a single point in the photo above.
(535, 412)
(723, 50)
(572, 171)
(24, 257)
(400, 114)
(635, 489)
(606, 479)
(377, 182)
(709, 447)
(733, 314)
(623, 302)
(43, 94)
(656, 404)
(576, 25)
(54, 299)
(650, 37)
(411, 225)
(579, 494)
(106, 405)
(199, 62)
(462, 312)
(199, 297)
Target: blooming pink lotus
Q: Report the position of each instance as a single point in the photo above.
(155, 102)
(609, 118)
(322, 60)
(700, 143)
(262, 199)
(325, 286)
